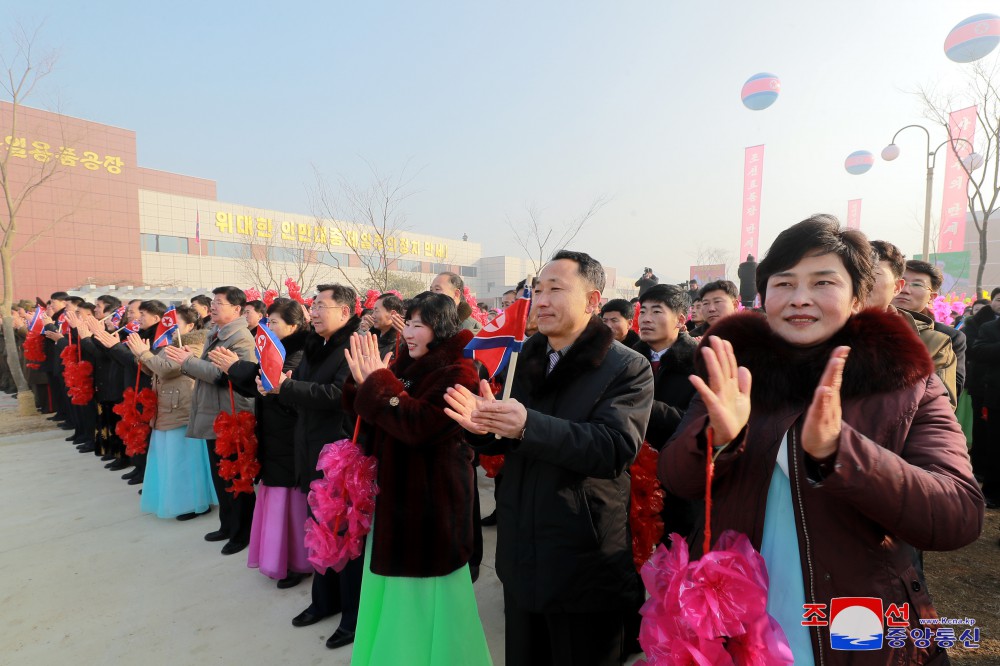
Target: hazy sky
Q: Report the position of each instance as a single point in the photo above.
(500, 105)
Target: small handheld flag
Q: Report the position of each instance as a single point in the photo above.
(501, 336)
(133, 326)
(635, 317)
(116, 316)
(63, 324)
(270, 356)
(166, 329)
(36, 325)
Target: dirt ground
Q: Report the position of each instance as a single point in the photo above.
(12, 423)
(966, 583)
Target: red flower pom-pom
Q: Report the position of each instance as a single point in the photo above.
(294, 290)
(370, 297)
(252, 294)
(236, 446)
(646, 505)
(34, 350)
(269, 297)
(491, 465)
(133, 428)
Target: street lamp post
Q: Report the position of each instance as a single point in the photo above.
(891, 152)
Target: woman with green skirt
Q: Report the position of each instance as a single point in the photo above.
(417, 602)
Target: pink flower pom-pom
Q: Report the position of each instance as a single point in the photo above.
(342, 502)
(370, 297)
(252, 293)
(269, 297)
(709, 611)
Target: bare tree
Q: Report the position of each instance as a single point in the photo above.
(712, 256)
(266, 262)
(22, 72)
(365, 221)
(540, 240)
(980, 88)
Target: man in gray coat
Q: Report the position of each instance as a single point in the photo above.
(211, 396)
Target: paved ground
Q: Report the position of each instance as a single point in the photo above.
(87, 579)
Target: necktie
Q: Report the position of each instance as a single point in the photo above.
(553, 359)
(656, 366)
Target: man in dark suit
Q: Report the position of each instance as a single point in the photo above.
(579, 407)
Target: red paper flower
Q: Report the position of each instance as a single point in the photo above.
(294, 290)
(647, 503)
(491, 465)
(34, 350)
(133, 428)
(269, 297)
(252, 294)
(370, 297)
(236, 446)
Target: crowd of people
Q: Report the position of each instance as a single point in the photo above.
(825, 389)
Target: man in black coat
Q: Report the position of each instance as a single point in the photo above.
(580, 405)
(315, 392)
(747, 273)
(617, 314)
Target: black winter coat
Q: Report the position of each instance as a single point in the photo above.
(986, 355)
(275, 421)
(563, 540)
(672, 390)
(109, 376)
(975, 369)
(315, 392)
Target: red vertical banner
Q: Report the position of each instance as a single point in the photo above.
(854, 214)
(955, 201)
(753, 176)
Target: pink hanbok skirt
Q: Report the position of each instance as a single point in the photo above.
(277, 535)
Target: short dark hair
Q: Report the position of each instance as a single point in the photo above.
(456, 281)
(189, 315)
(202, 299)
(89, 307)
(153, 307)
(75, 300)
(59, 296)
(509, 291)
(727, 286)
(815, 236)
(438, 312)
(928, 269)
(233, 295)
(672, 296)
(110, 302)
(984, 301)
(391, 302)
(993, 294)
(289, 310)
(137, 300)
(590, 269)
(258, 307)
(619, 305)
(343, 295)
(886, 251)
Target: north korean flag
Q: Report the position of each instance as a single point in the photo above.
(116, 316)
(132, 326)
(36, 325)
(502, 335)
(63, 324)
(166, 329)
(270, 356)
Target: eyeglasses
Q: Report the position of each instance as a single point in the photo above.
(317, 307)
(919, 286)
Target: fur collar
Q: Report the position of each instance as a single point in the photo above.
(886, 355)
(295, 342)
(195, 337)
(586, 354)
(316, 352)
(449, 352)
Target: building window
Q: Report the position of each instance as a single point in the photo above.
(332, 258)
(148, 242)
(440, 268)
(467, 271)
(171, 244)
(290, 254)
(227, 249)
(408, 265)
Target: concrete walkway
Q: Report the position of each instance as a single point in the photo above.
(87, 579)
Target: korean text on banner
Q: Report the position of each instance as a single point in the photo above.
(753, 175)
(955, 201)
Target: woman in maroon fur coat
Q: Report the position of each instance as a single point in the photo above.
(417, 602)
